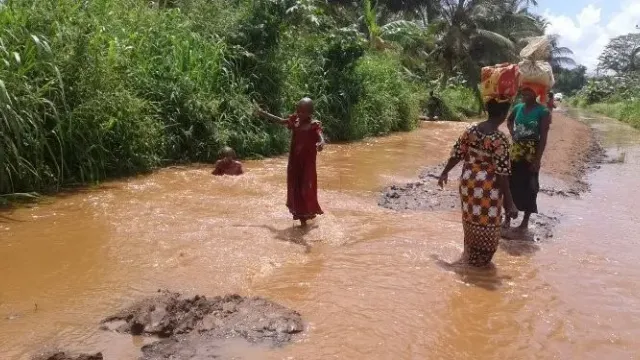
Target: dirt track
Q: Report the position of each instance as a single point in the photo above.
(572, 150)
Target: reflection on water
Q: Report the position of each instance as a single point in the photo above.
(362, 277)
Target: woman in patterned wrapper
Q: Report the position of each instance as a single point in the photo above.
(484, 184)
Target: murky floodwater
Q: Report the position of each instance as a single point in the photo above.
(362, 277)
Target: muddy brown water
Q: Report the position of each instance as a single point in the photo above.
(362, 277)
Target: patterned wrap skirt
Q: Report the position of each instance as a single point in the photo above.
(480, 243)
(481, 214)
(524, 182)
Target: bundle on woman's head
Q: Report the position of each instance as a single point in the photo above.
(535, 71)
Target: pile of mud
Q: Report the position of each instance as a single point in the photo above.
(194, 328)
(189, 328)
(65, 356)
(423, 194)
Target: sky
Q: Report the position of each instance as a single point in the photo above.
(586, 26)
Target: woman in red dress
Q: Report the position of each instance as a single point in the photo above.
(302, 179)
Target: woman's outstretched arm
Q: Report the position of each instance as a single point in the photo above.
(270, 117)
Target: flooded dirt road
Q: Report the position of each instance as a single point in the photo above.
(362, 277)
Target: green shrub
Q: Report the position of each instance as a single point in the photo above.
(389, 102)
(458, 103)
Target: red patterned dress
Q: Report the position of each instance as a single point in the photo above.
(302, 179)
(485, 156)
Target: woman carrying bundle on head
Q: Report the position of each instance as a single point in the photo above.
(484, 184)
(528, 124)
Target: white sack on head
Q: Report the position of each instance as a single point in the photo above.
(538, 49)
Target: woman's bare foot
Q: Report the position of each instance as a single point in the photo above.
(523, 229)
(506, 233)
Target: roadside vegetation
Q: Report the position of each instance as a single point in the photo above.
(97, 89)
(615, 90)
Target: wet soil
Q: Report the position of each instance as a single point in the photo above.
(572, 151)
(192, 327)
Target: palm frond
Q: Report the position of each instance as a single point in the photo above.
(495, 38)
(561, 51)
(401, 26)
(563, 61)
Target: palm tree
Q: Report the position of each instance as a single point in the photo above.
(395, 28)
(474, 33)
(561, 56)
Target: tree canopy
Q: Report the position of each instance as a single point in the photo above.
(621, 55)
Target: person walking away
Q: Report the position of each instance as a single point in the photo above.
(551, 102)
(433, 107)
(484, 184)
(528, 124)
(306, 141)
(228, 165)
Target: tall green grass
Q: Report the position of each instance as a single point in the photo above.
(95, 89)
(626, 111)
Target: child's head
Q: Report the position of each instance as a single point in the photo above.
(227, 153)
(304, 110)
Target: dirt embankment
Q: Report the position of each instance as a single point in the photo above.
(194, 328)
(572, 150)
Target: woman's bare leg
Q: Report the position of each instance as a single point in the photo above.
(524, 226)
(506, 224)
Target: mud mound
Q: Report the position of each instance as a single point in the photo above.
(423, 194)
(65, 356)
(192, 328)
(169, 314)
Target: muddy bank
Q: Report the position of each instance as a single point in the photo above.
(192, 328)
(425, 195)
(572, 151)
(65, 356)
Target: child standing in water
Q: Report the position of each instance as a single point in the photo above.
(306, 142)
(228, 165)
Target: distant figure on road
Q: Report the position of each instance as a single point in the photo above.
(228, 165)
(551, 103)
(433, 107)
